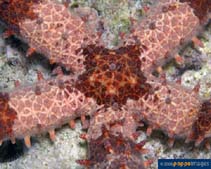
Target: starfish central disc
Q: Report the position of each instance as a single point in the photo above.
(112, 76)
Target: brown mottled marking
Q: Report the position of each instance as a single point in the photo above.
(202, 126)
(114, 151)
(201, 8)
(14, 11)
(112, 76)
(7, 117)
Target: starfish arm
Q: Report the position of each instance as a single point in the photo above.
(40, 108)
(113, 151)
(167, 26)
(48, 28)
(169, 108)
(117, 121)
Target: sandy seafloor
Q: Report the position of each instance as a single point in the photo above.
(68, 146)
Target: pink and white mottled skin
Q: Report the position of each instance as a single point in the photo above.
(169, 108)
(47, 105)
(163, 30)
(55, 33)
(60, 35)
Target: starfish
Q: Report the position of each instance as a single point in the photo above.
(116, 88)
